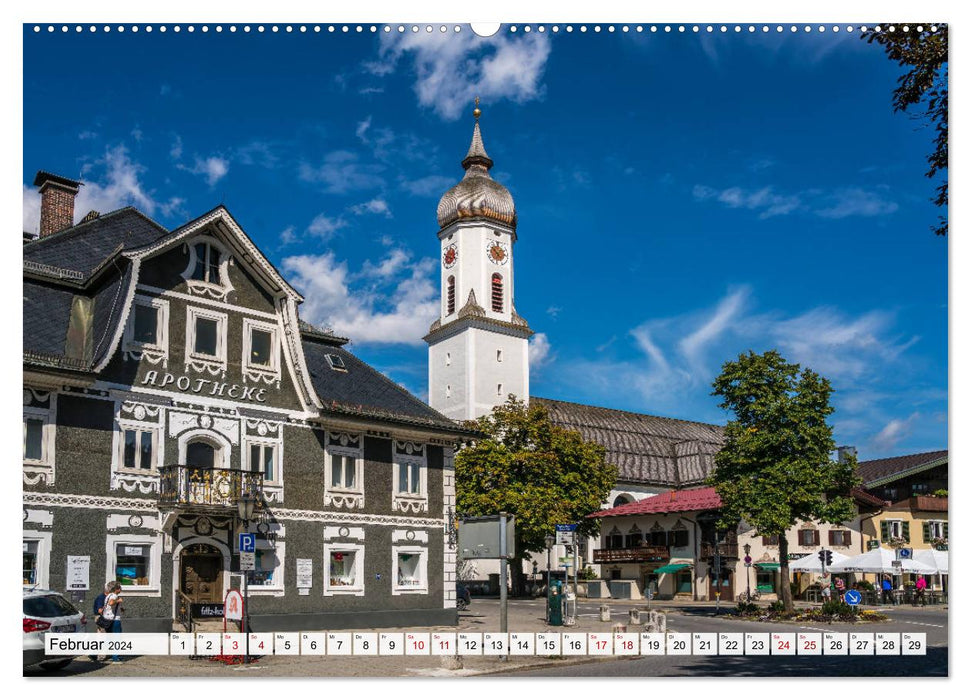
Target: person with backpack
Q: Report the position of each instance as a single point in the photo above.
(111, 613)
(99, 604)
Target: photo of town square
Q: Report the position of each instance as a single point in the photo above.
(411, 350)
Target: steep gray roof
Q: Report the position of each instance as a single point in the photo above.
(875, 472)
(648, 450)
(82, 249)
(360, 390)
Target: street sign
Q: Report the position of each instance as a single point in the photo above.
(565, 534)
(247, 561)
(748, 560)
(896, 563)
(247, 542)
(852, 597)
(905, 553)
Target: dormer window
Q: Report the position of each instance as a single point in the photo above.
(207, 261)
(146, 334)
(336, 362)
(207, 271)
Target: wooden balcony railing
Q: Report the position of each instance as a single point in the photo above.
(706, 550)
(631, 554)
(206, 488)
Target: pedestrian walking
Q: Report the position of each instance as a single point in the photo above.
(112, 611)
(920, 587)
(99, 604)
(886, 587)
(826, 592)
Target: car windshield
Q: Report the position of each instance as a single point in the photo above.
(48, 606)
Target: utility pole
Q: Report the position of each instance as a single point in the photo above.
(503, 570)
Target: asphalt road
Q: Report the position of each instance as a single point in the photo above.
(529, 616)
(931, 621)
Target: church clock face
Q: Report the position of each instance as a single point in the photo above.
(497, 252)
(450, 256)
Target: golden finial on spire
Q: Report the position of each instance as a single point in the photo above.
(477, 112)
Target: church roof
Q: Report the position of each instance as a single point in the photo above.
(650, 450)
(477, 195)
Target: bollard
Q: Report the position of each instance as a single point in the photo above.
(605, 613)
(662, 622)
(634, 616)
(619, 628)
(452, 663)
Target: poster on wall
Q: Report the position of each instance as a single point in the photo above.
(78, 569)
(305, 573)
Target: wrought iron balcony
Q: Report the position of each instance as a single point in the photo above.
(207, 488)
(729, 550)
(631, 554)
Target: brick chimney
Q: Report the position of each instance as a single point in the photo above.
(56, 202)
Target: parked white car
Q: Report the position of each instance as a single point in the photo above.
(48, 611)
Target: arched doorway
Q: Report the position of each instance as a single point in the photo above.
(201, 573)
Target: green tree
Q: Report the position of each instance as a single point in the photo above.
(924, 53)
(537, 471)
(774, 469)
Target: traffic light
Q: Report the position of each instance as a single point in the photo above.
(829, 557)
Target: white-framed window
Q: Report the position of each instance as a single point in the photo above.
(410, 570)
(138, 448)
(261, 350)
(37, 559)
(205, 339)
(264, 456)
(38, 436)
(410, 489)
(268, 576)
(344, 470)
(343, 568)
(206, 262)
(147, 331)
(937, 529)
(135, 561)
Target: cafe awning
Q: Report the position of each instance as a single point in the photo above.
(768, 565)
(671, 568)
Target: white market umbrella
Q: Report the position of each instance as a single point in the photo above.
(811, 563)
(880, 561)
(932, 557)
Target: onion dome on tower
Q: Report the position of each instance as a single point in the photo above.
(477, 195)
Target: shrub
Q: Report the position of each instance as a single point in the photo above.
(745, 608)
(837, 608)
(777, 606)
(864, 585)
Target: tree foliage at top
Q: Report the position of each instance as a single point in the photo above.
(924, 53)
(537, 471)
(774, 469)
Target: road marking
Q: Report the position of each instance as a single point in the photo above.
(923, 624)
(815, 629)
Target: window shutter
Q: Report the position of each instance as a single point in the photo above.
(944, 529)
(832, 537)
(927, 532)
(905, 530)
(815, 537)
(884, 531)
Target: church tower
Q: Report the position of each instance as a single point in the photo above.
(478, 348)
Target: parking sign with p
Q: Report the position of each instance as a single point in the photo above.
(247, 542)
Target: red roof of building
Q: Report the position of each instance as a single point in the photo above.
(671, 502)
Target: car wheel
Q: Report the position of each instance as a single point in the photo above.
(55, 665)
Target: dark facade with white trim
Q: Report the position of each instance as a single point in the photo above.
(166, 373)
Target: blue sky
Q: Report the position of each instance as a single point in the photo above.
(681, 197)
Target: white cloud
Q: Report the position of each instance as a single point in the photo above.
(213, 168)
(176, 151)
(894, 432)
(428, 186)
(374, 206)
(342, 172)
(452, 68)
(856, 202)
(835, 204)
(288, 235)
(110, 183)
(324, 227)
(539, 351)
(368, 308)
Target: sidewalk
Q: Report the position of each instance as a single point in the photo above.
(482, 616)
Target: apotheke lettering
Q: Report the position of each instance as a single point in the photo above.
(208, 387)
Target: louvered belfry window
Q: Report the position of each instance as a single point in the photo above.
(450, 295)
(497, 292)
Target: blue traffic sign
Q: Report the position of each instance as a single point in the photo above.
(566, 528)
(247, 542)
(905, 553)
(852, 597)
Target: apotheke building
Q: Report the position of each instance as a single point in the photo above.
(166, 376)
